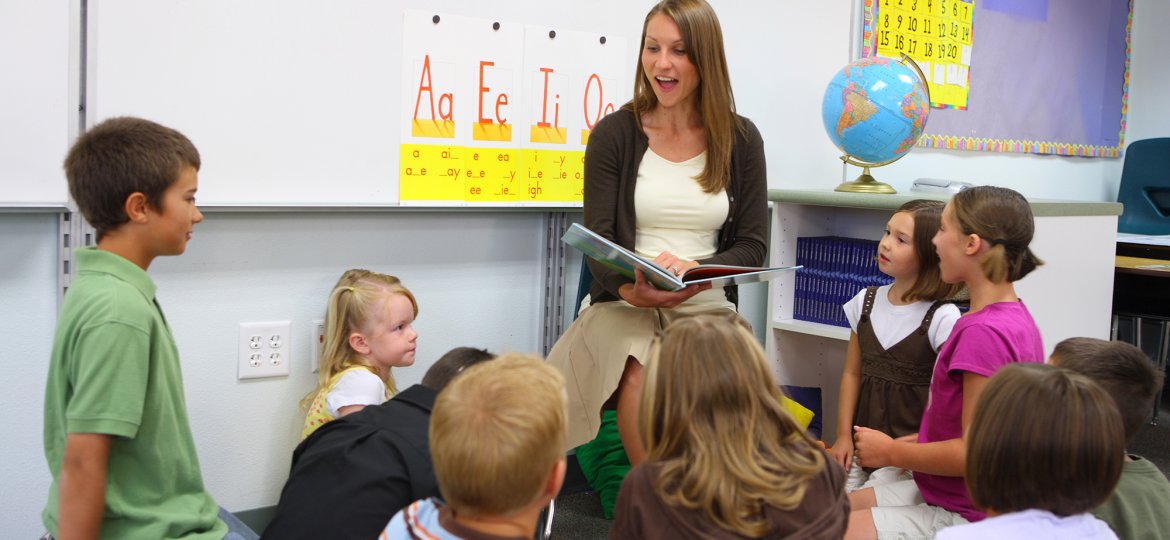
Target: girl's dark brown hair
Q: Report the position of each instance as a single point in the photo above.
(928, 285)
(1043, 438)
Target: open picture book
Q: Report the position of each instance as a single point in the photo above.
(624, 261)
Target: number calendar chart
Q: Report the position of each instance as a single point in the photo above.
(937, 34)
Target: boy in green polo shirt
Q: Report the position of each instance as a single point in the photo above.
(117, 438)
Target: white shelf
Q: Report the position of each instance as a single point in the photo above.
(812, 328)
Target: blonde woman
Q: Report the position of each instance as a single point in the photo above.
(724, 459)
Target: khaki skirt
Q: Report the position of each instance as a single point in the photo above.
(592, 355)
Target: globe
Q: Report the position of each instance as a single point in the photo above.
(874, 111)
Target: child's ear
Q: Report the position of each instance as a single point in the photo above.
(556, 479)
(974, 244)
(357, 342)
(136, 207)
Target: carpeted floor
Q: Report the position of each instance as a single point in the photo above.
(578, 509)
(1153, 441)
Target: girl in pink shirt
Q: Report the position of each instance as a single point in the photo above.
(982, 242)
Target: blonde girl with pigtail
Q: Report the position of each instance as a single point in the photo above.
(368, 330)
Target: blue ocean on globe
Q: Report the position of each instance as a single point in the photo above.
(875, 109)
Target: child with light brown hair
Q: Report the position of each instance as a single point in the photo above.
(724, 458)
(497, 441)
(369, 329)
(1045, 448)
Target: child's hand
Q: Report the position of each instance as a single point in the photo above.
(873, 447)
(842, 451)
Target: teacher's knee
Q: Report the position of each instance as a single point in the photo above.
(632, 375)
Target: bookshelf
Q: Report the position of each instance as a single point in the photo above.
(1071, 295)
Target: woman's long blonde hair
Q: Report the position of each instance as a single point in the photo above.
(703, 39)
(353, 303)
(711, 416)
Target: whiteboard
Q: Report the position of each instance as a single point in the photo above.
(290, 102)
(34, 101)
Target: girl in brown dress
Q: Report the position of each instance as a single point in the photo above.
(897, 331)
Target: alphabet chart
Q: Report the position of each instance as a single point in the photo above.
(937, 34)
(499, 113)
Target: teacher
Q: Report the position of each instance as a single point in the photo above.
(679, 177)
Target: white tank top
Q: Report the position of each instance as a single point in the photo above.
(675, 215)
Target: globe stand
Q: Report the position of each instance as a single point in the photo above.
(865, 183)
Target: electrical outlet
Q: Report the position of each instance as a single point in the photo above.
(264, 349)
(318, 338)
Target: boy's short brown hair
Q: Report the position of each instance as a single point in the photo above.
(1123, 370)
(121, 156)
(1043, 438)
(497, 432)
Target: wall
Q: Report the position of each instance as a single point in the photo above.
(476, 274)
(28, 310)
(475, 277)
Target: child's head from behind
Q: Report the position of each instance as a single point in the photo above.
(906, 250)
(440, 374)
(498, 436)
(122, 156)
(1043, 438)
(369, 322)
(1123, 370)
(991, 226)
(711, 414)
(711, 365)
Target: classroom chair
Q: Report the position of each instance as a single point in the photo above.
(1145, 193)
(544, 523)
(583, 286)
(1145, 188)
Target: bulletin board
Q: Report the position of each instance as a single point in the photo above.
(308, 103)
(1045, 76)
